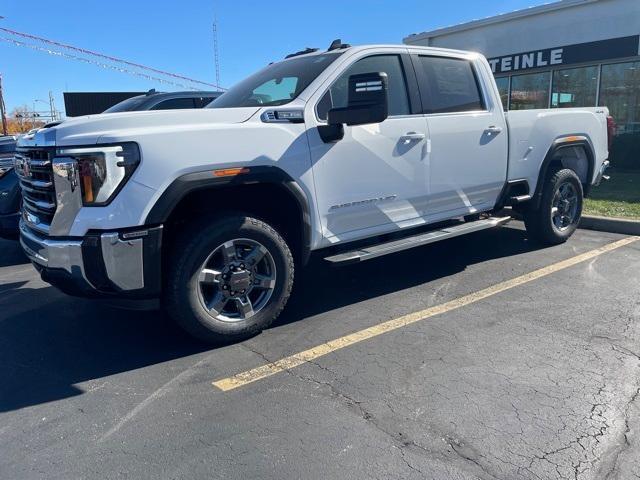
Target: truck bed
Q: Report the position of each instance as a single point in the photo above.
(532, 132)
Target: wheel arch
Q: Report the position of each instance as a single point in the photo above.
(268, 192)
(565, 152)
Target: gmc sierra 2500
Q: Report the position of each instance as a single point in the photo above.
(211, 210)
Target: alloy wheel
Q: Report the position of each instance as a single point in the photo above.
(564, 207)
(237, 280)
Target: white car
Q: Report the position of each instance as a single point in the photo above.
(212, 210)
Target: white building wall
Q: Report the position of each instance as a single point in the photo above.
(579, 22)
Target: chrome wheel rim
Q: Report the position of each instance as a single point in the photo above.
(564, 208)
(236, 280)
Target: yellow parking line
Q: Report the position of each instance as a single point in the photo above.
(311, 354)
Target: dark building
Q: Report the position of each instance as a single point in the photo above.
(77, 104)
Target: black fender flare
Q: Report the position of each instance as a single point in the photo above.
(559, 144)
(201, 180)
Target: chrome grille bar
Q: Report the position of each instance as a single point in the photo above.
(34, 169)
(42, 205)
(36, 183)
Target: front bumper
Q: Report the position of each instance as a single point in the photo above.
(121, 264)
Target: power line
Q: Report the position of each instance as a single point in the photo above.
(94, 62)
(108, 57)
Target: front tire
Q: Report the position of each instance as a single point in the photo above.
(228, 278)
(560, 209)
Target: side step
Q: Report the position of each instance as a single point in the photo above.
(518, 199)
(373, 251)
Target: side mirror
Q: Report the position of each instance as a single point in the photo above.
(366, 101)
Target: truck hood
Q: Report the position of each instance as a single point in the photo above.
(98, 128)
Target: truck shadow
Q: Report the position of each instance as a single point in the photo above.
(322, 287)
(49, 342)
(11, 253)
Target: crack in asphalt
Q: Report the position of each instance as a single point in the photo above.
(575, 458)
(464, 451)
(626, 444)
(597, 419)
(400, 440)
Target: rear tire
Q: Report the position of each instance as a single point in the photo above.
(560, 209)
(213, 258)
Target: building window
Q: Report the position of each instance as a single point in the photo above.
(503, 88)
(575, 87)
(530, 91)
(620, 92)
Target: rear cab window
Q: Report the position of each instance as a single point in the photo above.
(448, 85)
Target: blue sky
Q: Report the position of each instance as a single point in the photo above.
(177, 36)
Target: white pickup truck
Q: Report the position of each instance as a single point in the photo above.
(353, 152)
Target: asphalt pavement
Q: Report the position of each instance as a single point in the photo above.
(489, 372)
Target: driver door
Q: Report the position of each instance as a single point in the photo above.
(373, 180)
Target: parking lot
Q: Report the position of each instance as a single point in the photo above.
(455, 361)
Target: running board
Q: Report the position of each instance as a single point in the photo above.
(373, 251)
(519, 199)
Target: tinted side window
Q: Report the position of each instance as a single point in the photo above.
(174, 104)
(202, 102)
(451, 85)
(336, 96)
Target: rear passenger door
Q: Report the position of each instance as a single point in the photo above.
(467, 144)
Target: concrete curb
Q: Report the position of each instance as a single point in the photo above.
(613, 225)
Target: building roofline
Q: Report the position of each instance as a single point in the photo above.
(503, 17)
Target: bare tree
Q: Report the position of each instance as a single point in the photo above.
(22, 120)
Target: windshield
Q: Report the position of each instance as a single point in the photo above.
(276, 84)
(128, 105)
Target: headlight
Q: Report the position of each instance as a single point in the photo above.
(103, 170)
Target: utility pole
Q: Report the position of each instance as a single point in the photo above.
(52, 107)
(3, 112)
(216, 57)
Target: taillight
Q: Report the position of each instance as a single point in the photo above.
(611, 130)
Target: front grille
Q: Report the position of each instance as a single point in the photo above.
(34, 168)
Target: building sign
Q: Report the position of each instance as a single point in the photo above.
(567, 55)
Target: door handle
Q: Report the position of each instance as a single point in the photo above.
(493, 129)
(412, 137)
